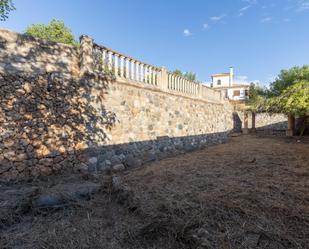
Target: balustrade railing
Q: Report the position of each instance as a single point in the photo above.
(181, 84)
(101, 59)
(105, 59)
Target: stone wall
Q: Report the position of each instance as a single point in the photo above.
(25, 54)
(269, 121)
(56, 124)
(263, 121)
(45, 127)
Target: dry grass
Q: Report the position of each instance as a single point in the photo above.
(252, 192)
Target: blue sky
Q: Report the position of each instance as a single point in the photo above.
(257, 37)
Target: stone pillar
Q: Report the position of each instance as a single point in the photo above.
(199, 91)
(253, 121)
(245, 130)
(291, 125)
(86, 58)
(163, 79)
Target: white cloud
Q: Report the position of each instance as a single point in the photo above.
(266, 19)
(244, 80)
(217, 18)
(286, 19)
(243, 10)
(206, 26)
(302, 5)
(187, 32)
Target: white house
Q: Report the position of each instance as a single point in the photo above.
(224, 82)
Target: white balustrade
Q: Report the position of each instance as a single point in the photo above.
(110, 60)
(137, 76)
(142, 73)
(104, 57)
(128, 68)
(155, 77)
(182, 82)
(116, 67)
(122, 66)
(150, 75)
(132, 70)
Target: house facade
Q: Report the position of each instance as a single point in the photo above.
(224, 82)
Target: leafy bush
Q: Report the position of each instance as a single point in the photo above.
(55, 31)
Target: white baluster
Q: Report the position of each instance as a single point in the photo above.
(174, 82)
(127, 68)
(187, 86)
(168, 81)
(110, 59)
(150, 75)
(142, 73)
(183, 81)
(104, 58)
(137, 71)
(132, 70)
(116, 65)
(177, 83)
(121, 66)
(154, 76)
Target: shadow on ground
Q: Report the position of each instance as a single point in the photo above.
(249, 193)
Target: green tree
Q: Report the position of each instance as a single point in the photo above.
(6, 6)
(257, 97)
(55, 31)
(287, 78)
(294, 100)
(178, 72)
(189, 76)
(287, 94)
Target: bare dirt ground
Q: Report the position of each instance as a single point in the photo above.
(252, 192)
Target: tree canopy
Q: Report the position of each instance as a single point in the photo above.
(189, 75)
(256, 98)
(289, 93)
(55, 31)
(287, 78)
(293, 99)
(6, 6)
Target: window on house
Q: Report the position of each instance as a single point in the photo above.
(219, 82)
(246, 93)
(211, 85)
(236, 93)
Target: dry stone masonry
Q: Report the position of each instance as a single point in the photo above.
(69, 109)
